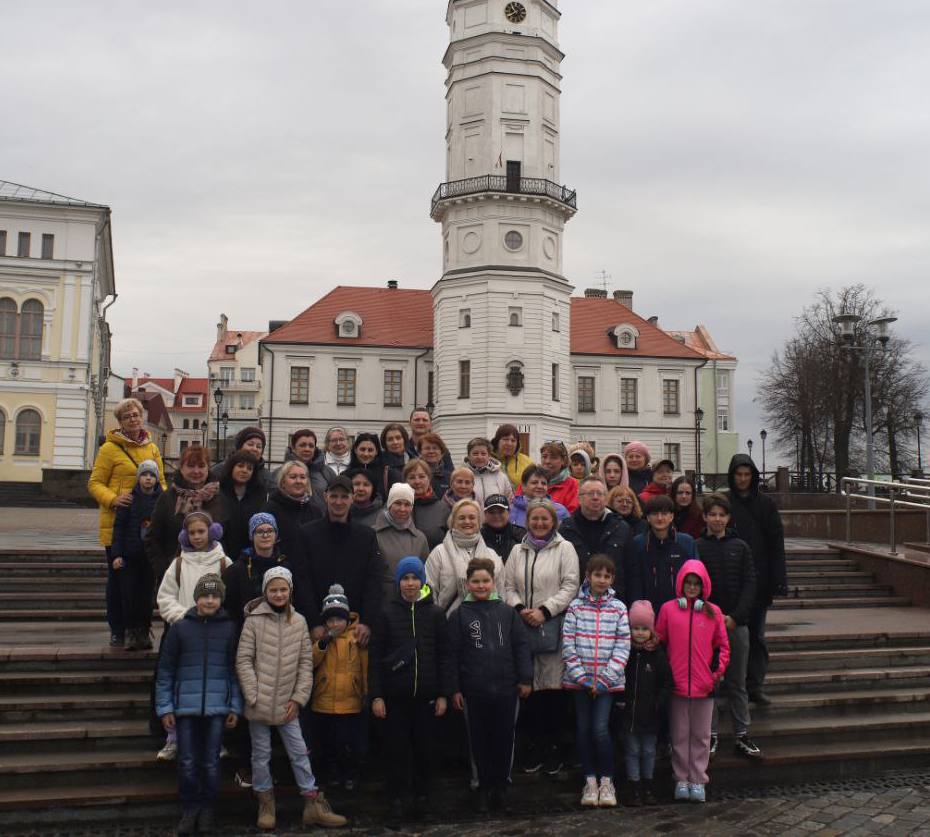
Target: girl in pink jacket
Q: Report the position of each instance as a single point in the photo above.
(692, 630)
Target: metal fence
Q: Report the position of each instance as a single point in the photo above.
(912, 493)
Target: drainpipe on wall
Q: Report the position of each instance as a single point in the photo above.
(270, 398)
(697, 403)
(416, 376)
(716, 428)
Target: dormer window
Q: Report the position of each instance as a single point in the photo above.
(230, 350)
(625, 336)
(348, 324)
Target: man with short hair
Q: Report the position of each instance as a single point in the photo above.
(421, 423)
(335, 550)
(756, 520)
(498, 532)
(593, 528)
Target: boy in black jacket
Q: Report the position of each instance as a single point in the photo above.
(648, 686)
(408, 681)
(129, 560)
(733, 584)
(491, 669)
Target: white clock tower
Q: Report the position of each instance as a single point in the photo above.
(501, 308)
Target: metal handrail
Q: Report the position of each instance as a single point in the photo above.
(893, 489)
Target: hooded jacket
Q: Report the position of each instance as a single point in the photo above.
(653, 565)
(595, 642)
(115, 472)
(131, 524)
(368, 515)
(639, 478)
(274, 662)
(396, 541)
(609, 535)
(340, 673)
(446, 566)
(692, 637)
(518, 510)
(648, 686)
(732, 573)
(490, 480)
(409, 652)
(756, 520)
(197, 668)
(624, 470)
(489, 649)
(564, 491)
(239, 511)
(653, 489)
(176, 598)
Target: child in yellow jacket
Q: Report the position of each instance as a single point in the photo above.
(340, 683)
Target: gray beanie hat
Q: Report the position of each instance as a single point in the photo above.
(147, 466)
(336, 603)
(277, 572)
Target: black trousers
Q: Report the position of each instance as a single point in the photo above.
(758, 665)
(409, 745)
(136, 590)
(491, 724)
(336, 745)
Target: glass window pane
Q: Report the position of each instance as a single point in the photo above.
(30, 330)
(7, 328)
(28, 433)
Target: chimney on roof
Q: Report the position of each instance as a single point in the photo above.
(273, 325)
(654, 320)
(135, 379)
(625, 298)
(595, 293)
(392, 284)
(221, 327)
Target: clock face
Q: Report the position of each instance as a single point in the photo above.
(515, 12)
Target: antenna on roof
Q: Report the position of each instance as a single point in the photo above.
(602, 278)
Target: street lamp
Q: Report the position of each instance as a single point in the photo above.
(218, 400)
(875, 331)
(918, 419)
(763, 435)
(698, 418)
(225, 426)
(749, 446)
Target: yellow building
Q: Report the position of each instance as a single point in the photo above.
(56, 277)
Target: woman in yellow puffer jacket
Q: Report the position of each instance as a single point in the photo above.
(506, 443)
(111, 483)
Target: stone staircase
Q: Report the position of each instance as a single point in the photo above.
(849, 681)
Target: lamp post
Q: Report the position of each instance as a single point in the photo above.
(763, 435)
(698, 476)
(225, 426)
(749, 447)
(875, 331)
(918, 419)
(218, 400)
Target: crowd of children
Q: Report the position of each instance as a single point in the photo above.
(599, 605)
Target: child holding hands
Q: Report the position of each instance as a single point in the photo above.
(595, 647)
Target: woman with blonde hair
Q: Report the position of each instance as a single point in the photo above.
(623, 500)
(448, 562)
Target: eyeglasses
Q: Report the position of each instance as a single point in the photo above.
(264, 533)
(593, 493)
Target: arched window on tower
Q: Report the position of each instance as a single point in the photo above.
(28, 433)
(30, 330)
(8, 328)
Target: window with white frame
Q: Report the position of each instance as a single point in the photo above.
(246, 400)
(465, 318)
(515, 316)
(723, 419)
(393, 387)
(672, 451)
(671, 405)
(300, 385)
(555, 321)
(345, 387)
(227, 375)
(247, 374)
(48, 246)
(585, 393)
(628, 395)
(28, 433)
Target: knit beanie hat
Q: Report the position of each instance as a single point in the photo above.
(400, 491)
(247, 433)
(210, 584)
(257, 520)
(638, 447)
(410, 564)
(336, 603)
(147, 466)
(277, 572)
(642, 615)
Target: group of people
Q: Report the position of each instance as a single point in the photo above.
(371, 578)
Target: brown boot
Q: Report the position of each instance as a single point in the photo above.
(318, 812)
(266, 812)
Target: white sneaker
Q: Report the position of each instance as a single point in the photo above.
(169, 752)
(682, 792)
(589, 795)
(607, 795)
(697, 793)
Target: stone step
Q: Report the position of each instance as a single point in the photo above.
(54, 569)
(109, 705)
(828, 591)
(831, 726)
(22, 770)
(852, 601)
(53, 615)
(44, 599)
(863, 700)
(852, 678)
(830, 577)
(61, 683)
(826, 564)
(76, 736)
(42, 555)
(842, 658)
(47, 659)
(79, 581)
(850, 641)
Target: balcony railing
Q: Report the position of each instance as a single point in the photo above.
(501, 183)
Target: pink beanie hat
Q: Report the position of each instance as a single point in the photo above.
(642, 615)
(641, 447)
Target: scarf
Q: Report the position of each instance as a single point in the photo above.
(464, 541)
(337, 459)
(401, 527)
(429, 495)
(539, 543)
(451, 499)
(649, 645)
(193, 499)
(142, 438)
(559, 478)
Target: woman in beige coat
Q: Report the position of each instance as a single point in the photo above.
(540, 580)
(275, 668)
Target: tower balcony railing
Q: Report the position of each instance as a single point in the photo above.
(536, 186)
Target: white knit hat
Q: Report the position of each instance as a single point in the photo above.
(277, 572)
(400, 491)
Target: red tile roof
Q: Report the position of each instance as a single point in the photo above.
(232, 339)
(593, 318)
(701, 341)
(188, 386)
(398, 317)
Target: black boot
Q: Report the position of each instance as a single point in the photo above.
(634, 793)
(188, 823)
(483, 806)
(649, 792)
(395, 817)
(497, 801)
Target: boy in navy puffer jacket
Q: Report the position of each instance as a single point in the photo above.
(128, 559)
(197, 693)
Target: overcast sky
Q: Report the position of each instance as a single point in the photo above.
(730, 157)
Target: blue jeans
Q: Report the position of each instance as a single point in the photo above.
(640, 755)
(595, 746)
(296, 748)
(199, 741)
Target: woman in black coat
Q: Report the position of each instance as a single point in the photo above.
(293, 505)
(243, 491)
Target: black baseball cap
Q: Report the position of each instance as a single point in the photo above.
(496, 501)
(342, 482)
